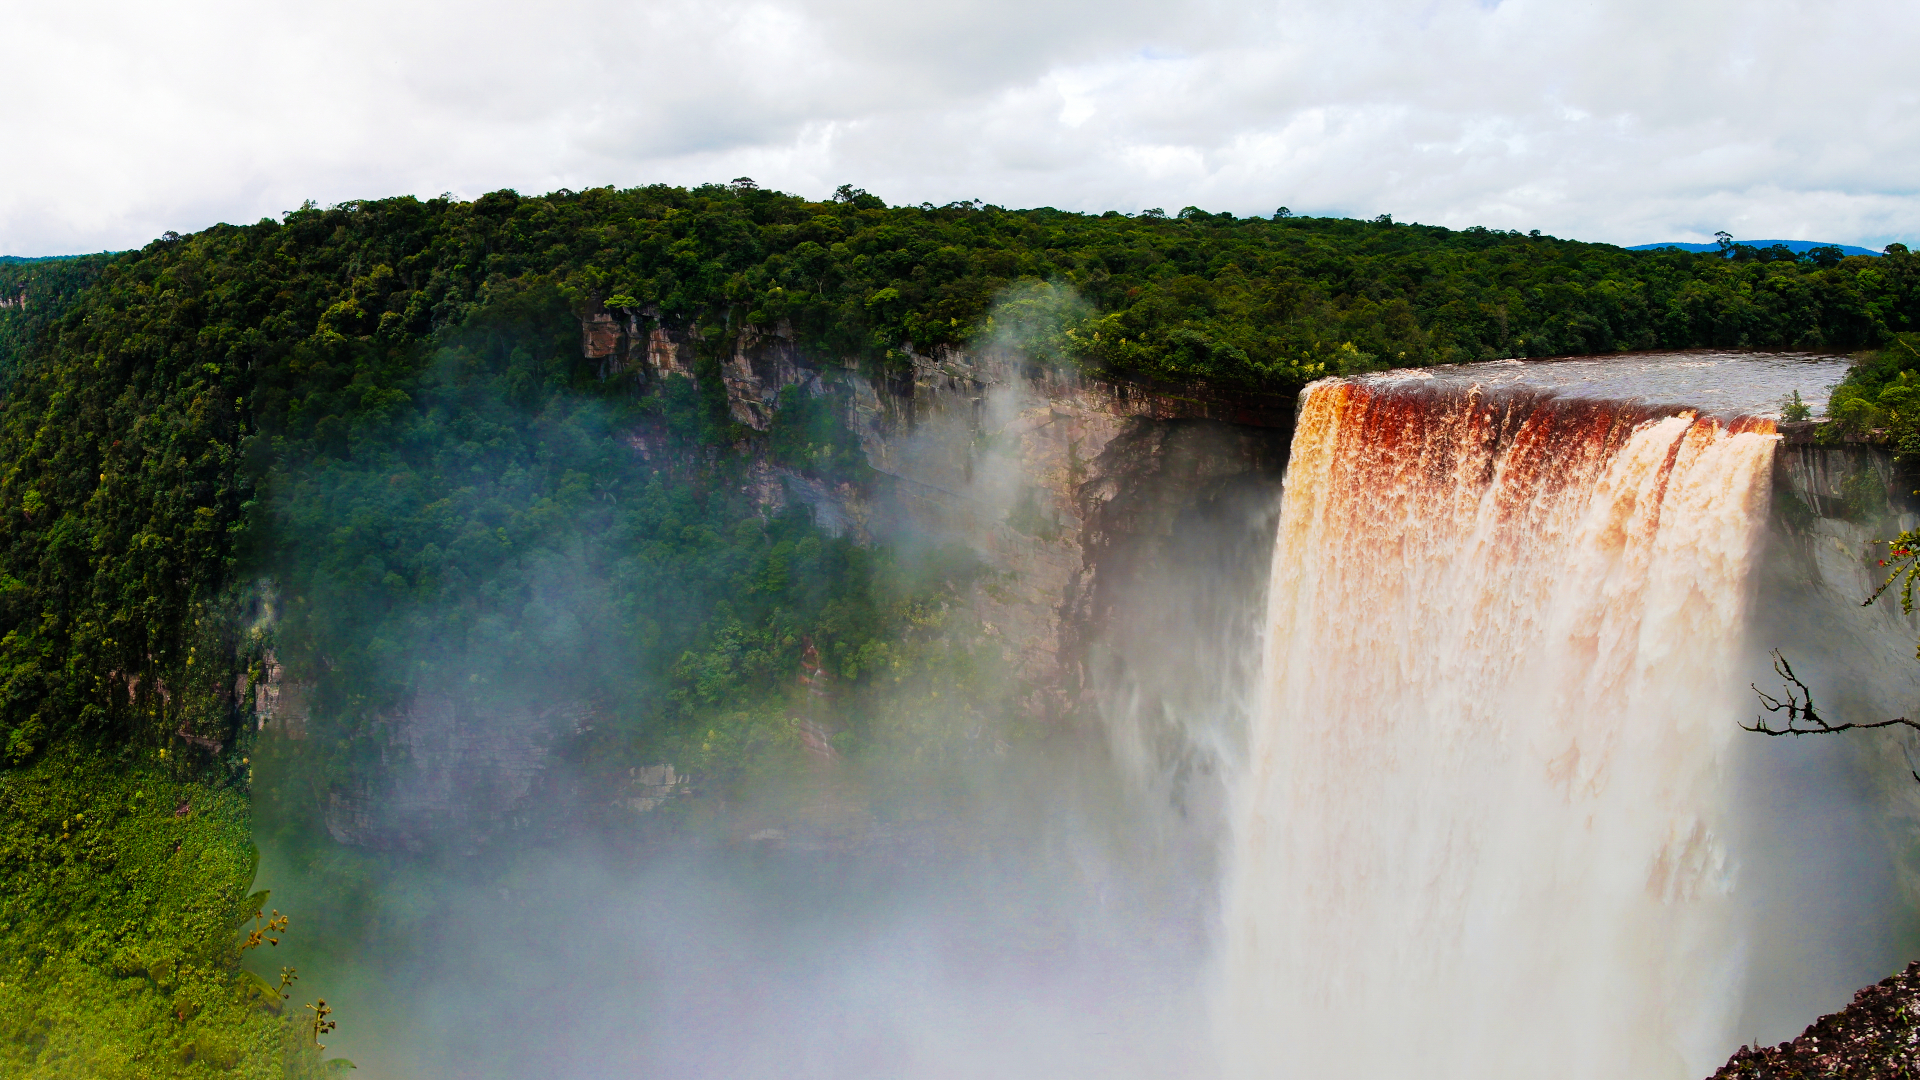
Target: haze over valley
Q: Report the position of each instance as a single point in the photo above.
(792, 540)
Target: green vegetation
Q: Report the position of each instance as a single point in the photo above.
(197, 368)
(1880, 397)
(33, 295)
(458, 521)
(120, 928)
(373, 423)
(1879, 400)
(1794, 409)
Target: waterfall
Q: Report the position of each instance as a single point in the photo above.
(1481, 831)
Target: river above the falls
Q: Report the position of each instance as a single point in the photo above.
(1723, 383)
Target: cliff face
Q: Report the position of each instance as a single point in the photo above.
(1041, 471)
(1073, 491)
(1834, 507)
(447, 764)
(1827, 828)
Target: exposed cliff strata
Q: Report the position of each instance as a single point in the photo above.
(650, 788)
(635, 345)
(1059, 481)
(281, 700)
(1833, 506)
(449, 767)
(984, 449)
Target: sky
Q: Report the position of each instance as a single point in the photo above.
(1626, 121)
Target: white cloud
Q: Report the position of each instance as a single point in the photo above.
(1628, 121)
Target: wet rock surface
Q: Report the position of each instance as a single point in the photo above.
(1877, 1036)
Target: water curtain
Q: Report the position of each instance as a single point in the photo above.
(1482, 828)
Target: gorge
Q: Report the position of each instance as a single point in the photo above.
(1520, 603)
(940, 641)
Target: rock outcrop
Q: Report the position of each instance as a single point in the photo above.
(1877, 1037)
(982, 448)
(1011, 459)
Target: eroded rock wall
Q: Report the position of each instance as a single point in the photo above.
(986, 449)
(1834, 506)
(1827, 830)
(1063, 486)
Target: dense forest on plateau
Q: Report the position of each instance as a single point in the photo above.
(363, 439)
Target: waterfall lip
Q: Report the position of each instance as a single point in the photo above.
(1721, 383)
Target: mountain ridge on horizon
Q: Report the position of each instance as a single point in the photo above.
(1795, 246)
(12, 260)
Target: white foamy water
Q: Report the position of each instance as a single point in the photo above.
(1482, 829)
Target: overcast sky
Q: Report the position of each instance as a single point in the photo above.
(1626, 121)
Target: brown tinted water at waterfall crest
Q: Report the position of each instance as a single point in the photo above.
(1482, 831)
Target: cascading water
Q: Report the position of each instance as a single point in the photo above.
(1481, 830)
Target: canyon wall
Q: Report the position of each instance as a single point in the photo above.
(1071, 490)
(1835, 505)
(1046, 473)
(1827, 828)
(1119, 522)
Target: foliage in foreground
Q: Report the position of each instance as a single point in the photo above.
(1880, 398)
(120, 926)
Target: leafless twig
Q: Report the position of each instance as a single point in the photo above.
(1802, 718)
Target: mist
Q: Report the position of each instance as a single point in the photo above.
(1825, 826)
(1021, 938)
(916, 743)
(995, 857)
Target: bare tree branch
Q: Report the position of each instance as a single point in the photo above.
(1802, 718)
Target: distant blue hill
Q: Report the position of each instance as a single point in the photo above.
(4, 259)
(1795, 246)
